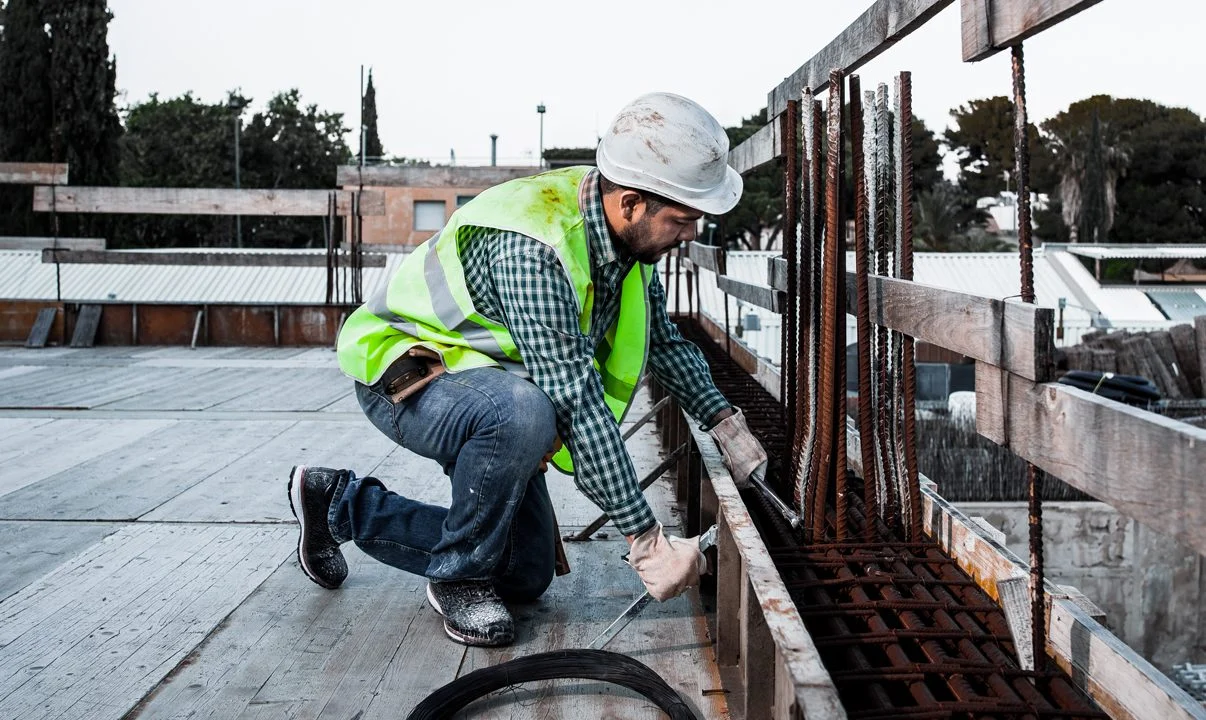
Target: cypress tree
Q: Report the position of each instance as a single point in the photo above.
(25, 108)
(373, 152)
(1092, 227)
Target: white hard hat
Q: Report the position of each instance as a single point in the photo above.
(668, 145)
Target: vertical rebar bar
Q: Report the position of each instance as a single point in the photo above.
(1038, 613)
(905, 261)
(789, 320)
(866, 416)
(805, 471)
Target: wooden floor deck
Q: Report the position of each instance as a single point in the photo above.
(147, 565)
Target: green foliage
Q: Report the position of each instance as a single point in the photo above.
(183, 142)
(945, 219)
(1154, 165)
(761, 206)
(57, 88)
(25, 108)
(983, 143)
(373, 151)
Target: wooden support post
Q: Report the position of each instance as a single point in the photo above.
(757, 655)
(730, 581)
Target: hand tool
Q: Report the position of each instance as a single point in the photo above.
(706, 540)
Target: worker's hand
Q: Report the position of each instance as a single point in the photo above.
(667, 565)
(544, 461)
(742, 451)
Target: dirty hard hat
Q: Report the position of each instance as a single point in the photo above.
(672, 147)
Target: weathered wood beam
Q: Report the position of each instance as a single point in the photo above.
(349, 176)
(758, 149)
(16, 173)
(1146, 466)
(709, 257)
(990, 26)
(883, 24)
(763, 297)
(1012, 335)
(203, 201)
(222, 259)
(41, 243)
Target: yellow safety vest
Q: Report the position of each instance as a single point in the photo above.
(427, 301)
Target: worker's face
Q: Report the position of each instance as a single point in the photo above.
(650, 235)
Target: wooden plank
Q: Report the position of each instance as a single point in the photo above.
(135, 478)
(1187, 357)
(1146, 466)
(35, 455)
(41, 243)
(1012, 335)
(710, 257)
(758, 149)
(203, 201)
(39, 334)
(883, 24)
(439, 176)
(763, 297)
(816, 695)
(87, 643)
(1161, 341)
(26, 173)
(757, 656)
(212, 259)
(1114, 675)
(86, 325)
(29, 550)
(990, 26)
(1199, 325)
(730, 584)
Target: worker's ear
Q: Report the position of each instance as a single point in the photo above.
(630, 202)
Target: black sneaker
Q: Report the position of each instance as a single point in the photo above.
(473, 613)
(310, 490)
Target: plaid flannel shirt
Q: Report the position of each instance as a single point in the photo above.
(519, 282)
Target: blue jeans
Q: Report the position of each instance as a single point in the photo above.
(489, 430)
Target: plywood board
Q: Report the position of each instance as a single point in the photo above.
(82, 643)
(135, 478)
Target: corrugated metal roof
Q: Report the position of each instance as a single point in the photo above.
(1179, 304)
(23, 276)
(1123, 252)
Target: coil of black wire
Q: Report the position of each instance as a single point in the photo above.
(598, 665)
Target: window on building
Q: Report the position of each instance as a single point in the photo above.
(429, 214)
(462, 199)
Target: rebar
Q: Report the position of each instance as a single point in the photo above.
(789, 326)
(904, 212)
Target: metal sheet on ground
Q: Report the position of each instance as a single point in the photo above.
(29, 550)
(135, 478)
(82, 643)
(252, 489)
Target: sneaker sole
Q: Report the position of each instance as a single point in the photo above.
(295, 502)
(456, 636)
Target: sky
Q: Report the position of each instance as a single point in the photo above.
(449, 73)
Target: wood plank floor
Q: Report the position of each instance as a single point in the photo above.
(148, 569)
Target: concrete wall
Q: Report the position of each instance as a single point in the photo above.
(1150, 588)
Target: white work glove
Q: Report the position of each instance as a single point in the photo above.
(667, 565)
(742, 451)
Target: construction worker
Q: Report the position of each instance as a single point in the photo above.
(517, 335)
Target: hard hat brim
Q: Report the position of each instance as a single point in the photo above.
(721, 200)
(713, 201)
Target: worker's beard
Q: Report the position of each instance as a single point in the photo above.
(636, 243)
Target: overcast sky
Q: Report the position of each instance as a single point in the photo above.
(449, 73)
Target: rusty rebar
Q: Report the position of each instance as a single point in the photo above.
(866, 410)
(805, 477)
(789, 379)
(912, 477)
(1038, 605)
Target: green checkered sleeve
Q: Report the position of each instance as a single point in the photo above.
(539, 308)
(678, 364)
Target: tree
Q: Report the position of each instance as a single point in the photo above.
(759, 212)
(1153, 165)
(25, 108)
(945, 219)
(983, 143)
(288, 146)
(373, 151)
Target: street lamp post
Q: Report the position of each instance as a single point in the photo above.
(540, 111)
